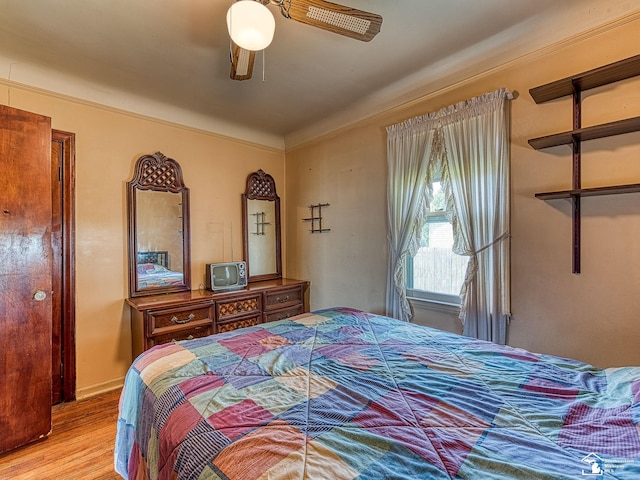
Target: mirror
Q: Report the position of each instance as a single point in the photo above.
(158, 211)
(261, 228)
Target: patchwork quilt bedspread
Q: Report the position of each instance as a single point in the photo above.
(343, 394)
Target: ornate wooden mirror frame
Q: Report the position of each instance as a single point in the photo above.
(159, 232)
(261, 228)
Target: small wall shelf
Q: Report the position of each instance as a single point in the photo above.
(574, 86)
(316, 218)
(260, 222)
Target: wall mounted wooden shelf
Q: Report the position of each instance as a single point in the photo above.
(590, 192)
(574, 86)
(614, 72)
(588, 133)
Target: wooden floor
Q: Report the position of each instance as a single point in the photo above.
(80, 446)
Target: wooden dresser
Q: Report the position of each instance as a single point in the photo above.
(170, 317)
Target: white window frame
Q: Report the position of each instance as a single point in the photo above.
(447, 301)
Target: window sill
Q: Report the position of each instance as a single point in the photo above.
(435, 306)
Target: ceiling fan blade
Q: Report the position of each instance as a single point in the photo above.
(340, 19)
(241, 62)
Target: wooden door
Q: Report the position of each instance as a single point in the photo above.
(25, 277)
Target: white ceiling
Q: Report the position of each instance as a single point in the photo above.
(169, 58)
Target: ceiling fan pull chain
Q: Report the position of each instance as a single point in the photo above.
(263, 65)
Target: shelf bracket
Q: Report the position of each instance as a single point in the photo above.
(577, 178)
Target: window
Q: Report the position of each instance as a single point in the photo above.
(436, 273)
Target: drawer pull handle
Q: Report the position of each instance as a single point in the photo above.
(282, 299)
(190, 337)
(186, 320)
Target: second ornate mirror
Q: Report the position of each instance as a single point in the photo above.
(261, 227)
(159, 256)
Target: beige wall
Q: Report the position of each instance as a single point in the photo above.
(108, 143)
(593, 316)
(347, 265)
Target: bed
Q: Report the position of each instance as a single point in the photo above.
(343, 394)
(153, 270)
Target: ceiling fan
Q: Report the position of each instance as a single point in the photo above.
(329, 16)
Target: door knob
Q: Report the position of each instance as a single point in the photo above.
(39, 295)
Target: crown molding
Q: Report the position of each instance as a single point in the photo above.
(487, 58)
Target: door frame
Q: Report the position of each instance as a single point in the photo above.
(67, 293)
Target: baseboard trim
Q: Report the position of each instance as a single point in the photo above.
(97, 389)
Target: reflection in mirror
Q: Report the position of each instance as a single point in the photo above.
(159, 238)
(158, 227)
(262, 236)
(261, 227)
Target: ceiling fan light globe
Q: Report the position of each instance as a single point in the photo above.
(251, 25)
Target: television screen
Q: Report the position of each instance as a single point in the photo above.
(224, 275)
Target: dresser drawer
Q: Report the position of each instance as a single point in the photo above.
(229, 309)
(272, 316)
(177, 335)
(159, 321)
(283, 298)
(229, 325)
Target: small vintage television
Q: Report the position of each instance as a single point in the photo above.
(225, 276)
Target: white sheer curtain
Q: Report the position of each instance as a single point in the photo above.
(472, 160)
(409, 147)
(477, 157)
